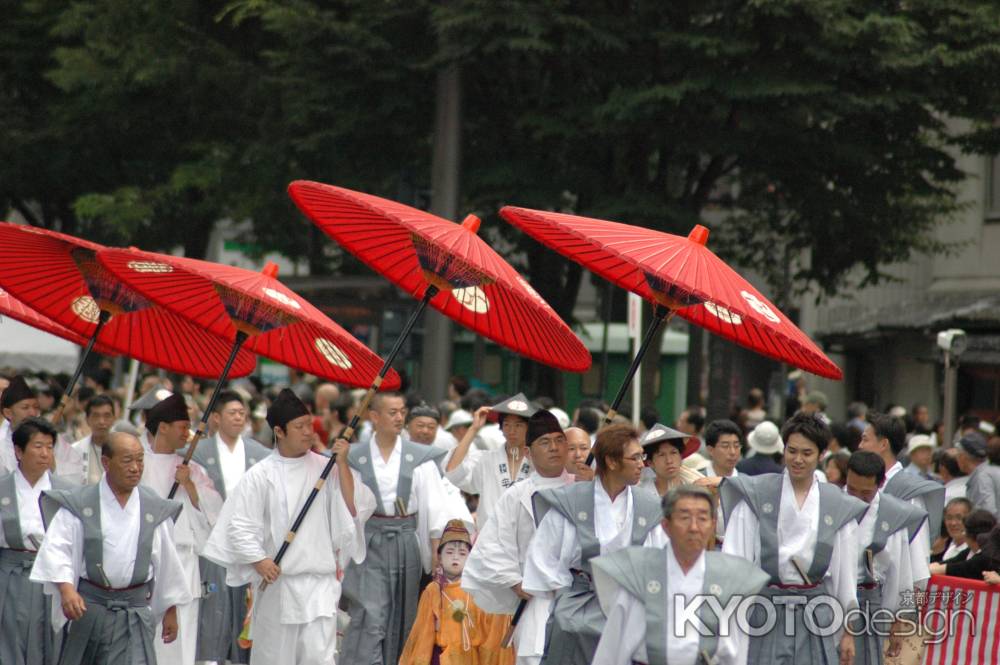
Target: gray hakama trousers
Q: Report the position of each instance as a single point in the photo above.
(26, 636)
(575, 624)
(220, 617)
(117, 629)
(790, 641)
(869, 646)
(382, 593)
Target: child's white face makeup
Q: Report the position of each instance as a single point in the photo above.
(453, 556)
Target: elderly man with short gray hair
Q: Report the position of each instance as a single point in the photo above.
(638, 588)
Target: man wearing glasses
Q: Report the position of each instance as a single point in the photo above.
(578, 523)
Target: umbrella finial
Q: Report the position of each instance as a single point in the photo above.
(471, 222)
(270, 270)
(699, 234)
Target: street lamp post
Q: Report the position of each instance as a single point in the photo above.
(952, 343)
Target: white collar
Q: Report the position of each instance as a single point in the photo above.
(22, 483)
(108, 496)
(600, 492)
(674, 569)
(376, 452)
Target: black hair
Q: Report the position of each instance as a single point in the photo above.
(460, 384)
(868, 464)
(969, 422)
(888, 427)
(847, 436)
(101, 377)
(588, 419)
(649, 416)
(695, 419)
(96, 401)
(225, 397)
(30, 427)
(979, 523)
(473, 399)
(943, 459)
(717, 428)
(808, 426)
(84, 394)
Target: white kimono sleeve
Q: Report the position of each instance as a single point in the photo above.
(237, 541)
(467, 475)
(204, 517)
(920, 550)
(170, 583)
(843, 570)
(899, 575)
(353, 544)
(743, 534)
(624, 637)
(494, 565)
(553, 551)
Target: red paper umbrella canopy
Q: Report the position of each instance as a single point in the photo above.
(225, 300)
(59, 276)
(681, 274)
(415, 249)
(17, 310)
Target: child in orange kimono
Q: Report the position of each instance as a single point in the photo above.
(449, 628)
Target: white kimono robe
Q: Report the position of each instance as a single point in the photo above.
(556, 548)
(920, 544)
(60, 558)
(8, 462)
(893, 565)
(29, 512)
(488, 475)
(294, 620)
(190, 532)
(90, 460)
(797, 531)
(497, 561)
(69, 462)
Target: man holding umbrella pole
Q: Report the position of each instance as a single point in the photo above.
(294, 619)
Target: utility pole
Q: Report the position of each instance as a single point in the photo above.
(436, 359)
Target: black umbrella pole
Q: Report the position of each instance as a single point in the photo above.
(202, 429)
(349, 432)
(508, 638)
(660, 314)
(103, 318)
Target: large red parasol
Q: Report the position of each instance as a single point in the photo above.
(446, 265)
(17, 310)
(466, 279)
(677, 275)
(252, 310)
(59, 276)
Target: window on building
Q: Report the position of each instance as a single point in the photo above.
(993, 188)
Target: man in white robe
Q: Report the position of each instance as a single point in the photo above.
(640, 587)
(17, 403)
(492, 472)
(225, 457)
(886, 437)
(412, 509)
(133, 564)
(294, 616)
(26, 634)
(885, 572)
(582, 521)
(100, 413)
(809, 548)
(494, 571)
(168, 425)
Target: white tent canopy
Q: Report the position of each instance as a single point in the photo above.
(25, 348)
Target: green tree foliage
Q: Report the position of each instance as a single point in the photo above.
(822, 129)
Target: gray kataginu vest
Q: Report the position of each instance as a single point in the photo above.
(893, 514)
(907, 486)
(206, 455)
(10, 516)
(412, 456)
(642, 572)
(85, 504)
(576, 503)
(763, 495)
